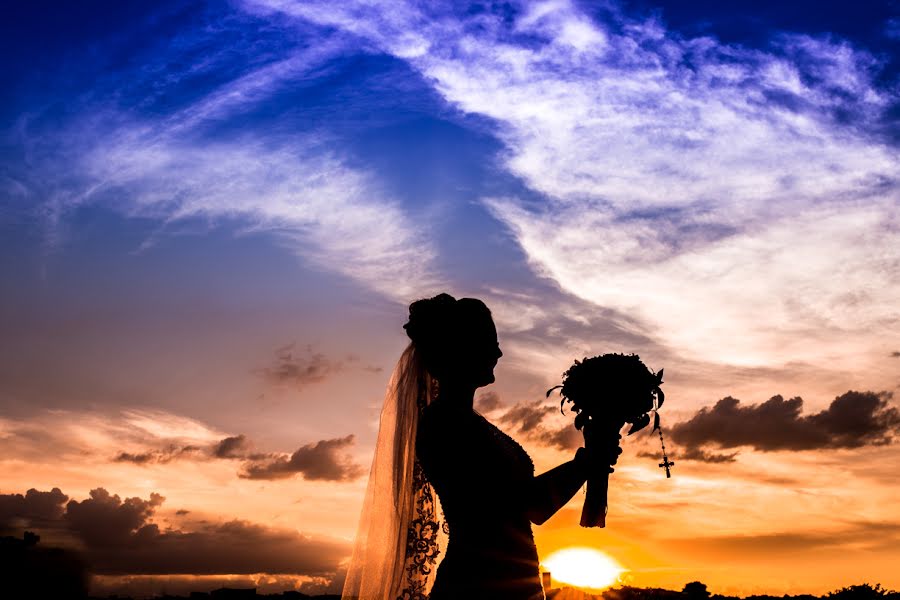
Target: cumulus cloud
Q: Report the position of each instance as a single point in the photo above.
(34, 507)
(322, 461)
(235, 446)
(299, 370)
(104, 520)
(676, 172)
(118, 537)
(852, 420)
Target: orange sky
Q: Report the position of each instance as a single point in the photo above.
(770, 522)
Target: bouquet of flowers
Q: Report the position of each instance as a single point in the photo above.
(607, 392)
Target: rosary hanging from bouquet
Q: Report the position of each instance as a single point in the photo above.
(606, 392)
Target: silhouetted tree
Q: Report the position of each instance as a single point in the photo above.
(861, 592)
(695, 590)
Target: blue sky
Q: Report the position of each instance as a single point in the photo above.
(188, 189)
(408, 147)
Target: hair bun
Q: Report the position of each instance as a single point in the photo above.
(429, 317)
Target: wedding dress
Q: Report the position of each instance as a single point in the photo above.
(428, 450)
(484, 481)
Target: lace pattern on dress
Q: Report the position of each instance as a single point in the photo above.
(426, 530)
(422, 547)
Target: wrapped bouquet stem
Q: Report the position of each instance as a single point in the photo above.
(597, 438)
(607, 392)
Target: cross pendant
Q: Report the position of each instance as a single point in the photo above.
(666, 463)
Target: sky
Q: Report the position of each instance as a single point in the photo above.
(214, 215)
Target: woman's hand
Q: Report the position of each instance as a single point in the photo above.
(600, 458)
(551, 490)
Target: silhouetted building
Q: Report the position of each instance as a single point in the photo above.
(545, 581)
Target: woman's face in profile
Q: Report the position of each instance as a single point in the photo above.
(482, 351)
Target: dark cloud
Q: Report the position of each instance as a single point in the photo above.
(564, 438)
(853, 420)
(118, 537)
(701, 455)
(320, 461)
(230, 547)
(232, 447)
(155, 586)
(17, 510)
(298, 371)
(526, 418)
(895, 354)
(488, 401)
(181, 512)
(163, 456)
(104, 520)
(693, 454)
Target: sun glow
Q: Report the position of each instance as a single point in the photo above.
(583, 567)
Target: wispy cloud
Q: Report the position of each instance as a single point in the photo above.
(151, 438)
(740, 203)
(209, 158)
(329, 214)
(74, 437)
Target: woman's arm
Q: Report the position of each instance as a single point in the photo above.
(552, 490)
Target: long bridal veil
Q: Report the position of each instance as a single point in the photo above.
(401, 528)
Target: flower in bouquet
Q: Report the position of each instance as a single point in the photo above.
(615, 388)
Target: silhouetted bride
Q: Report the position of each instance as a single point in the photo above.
(432, 440)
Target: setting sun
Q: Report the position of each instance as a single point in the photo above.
(583, 567)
